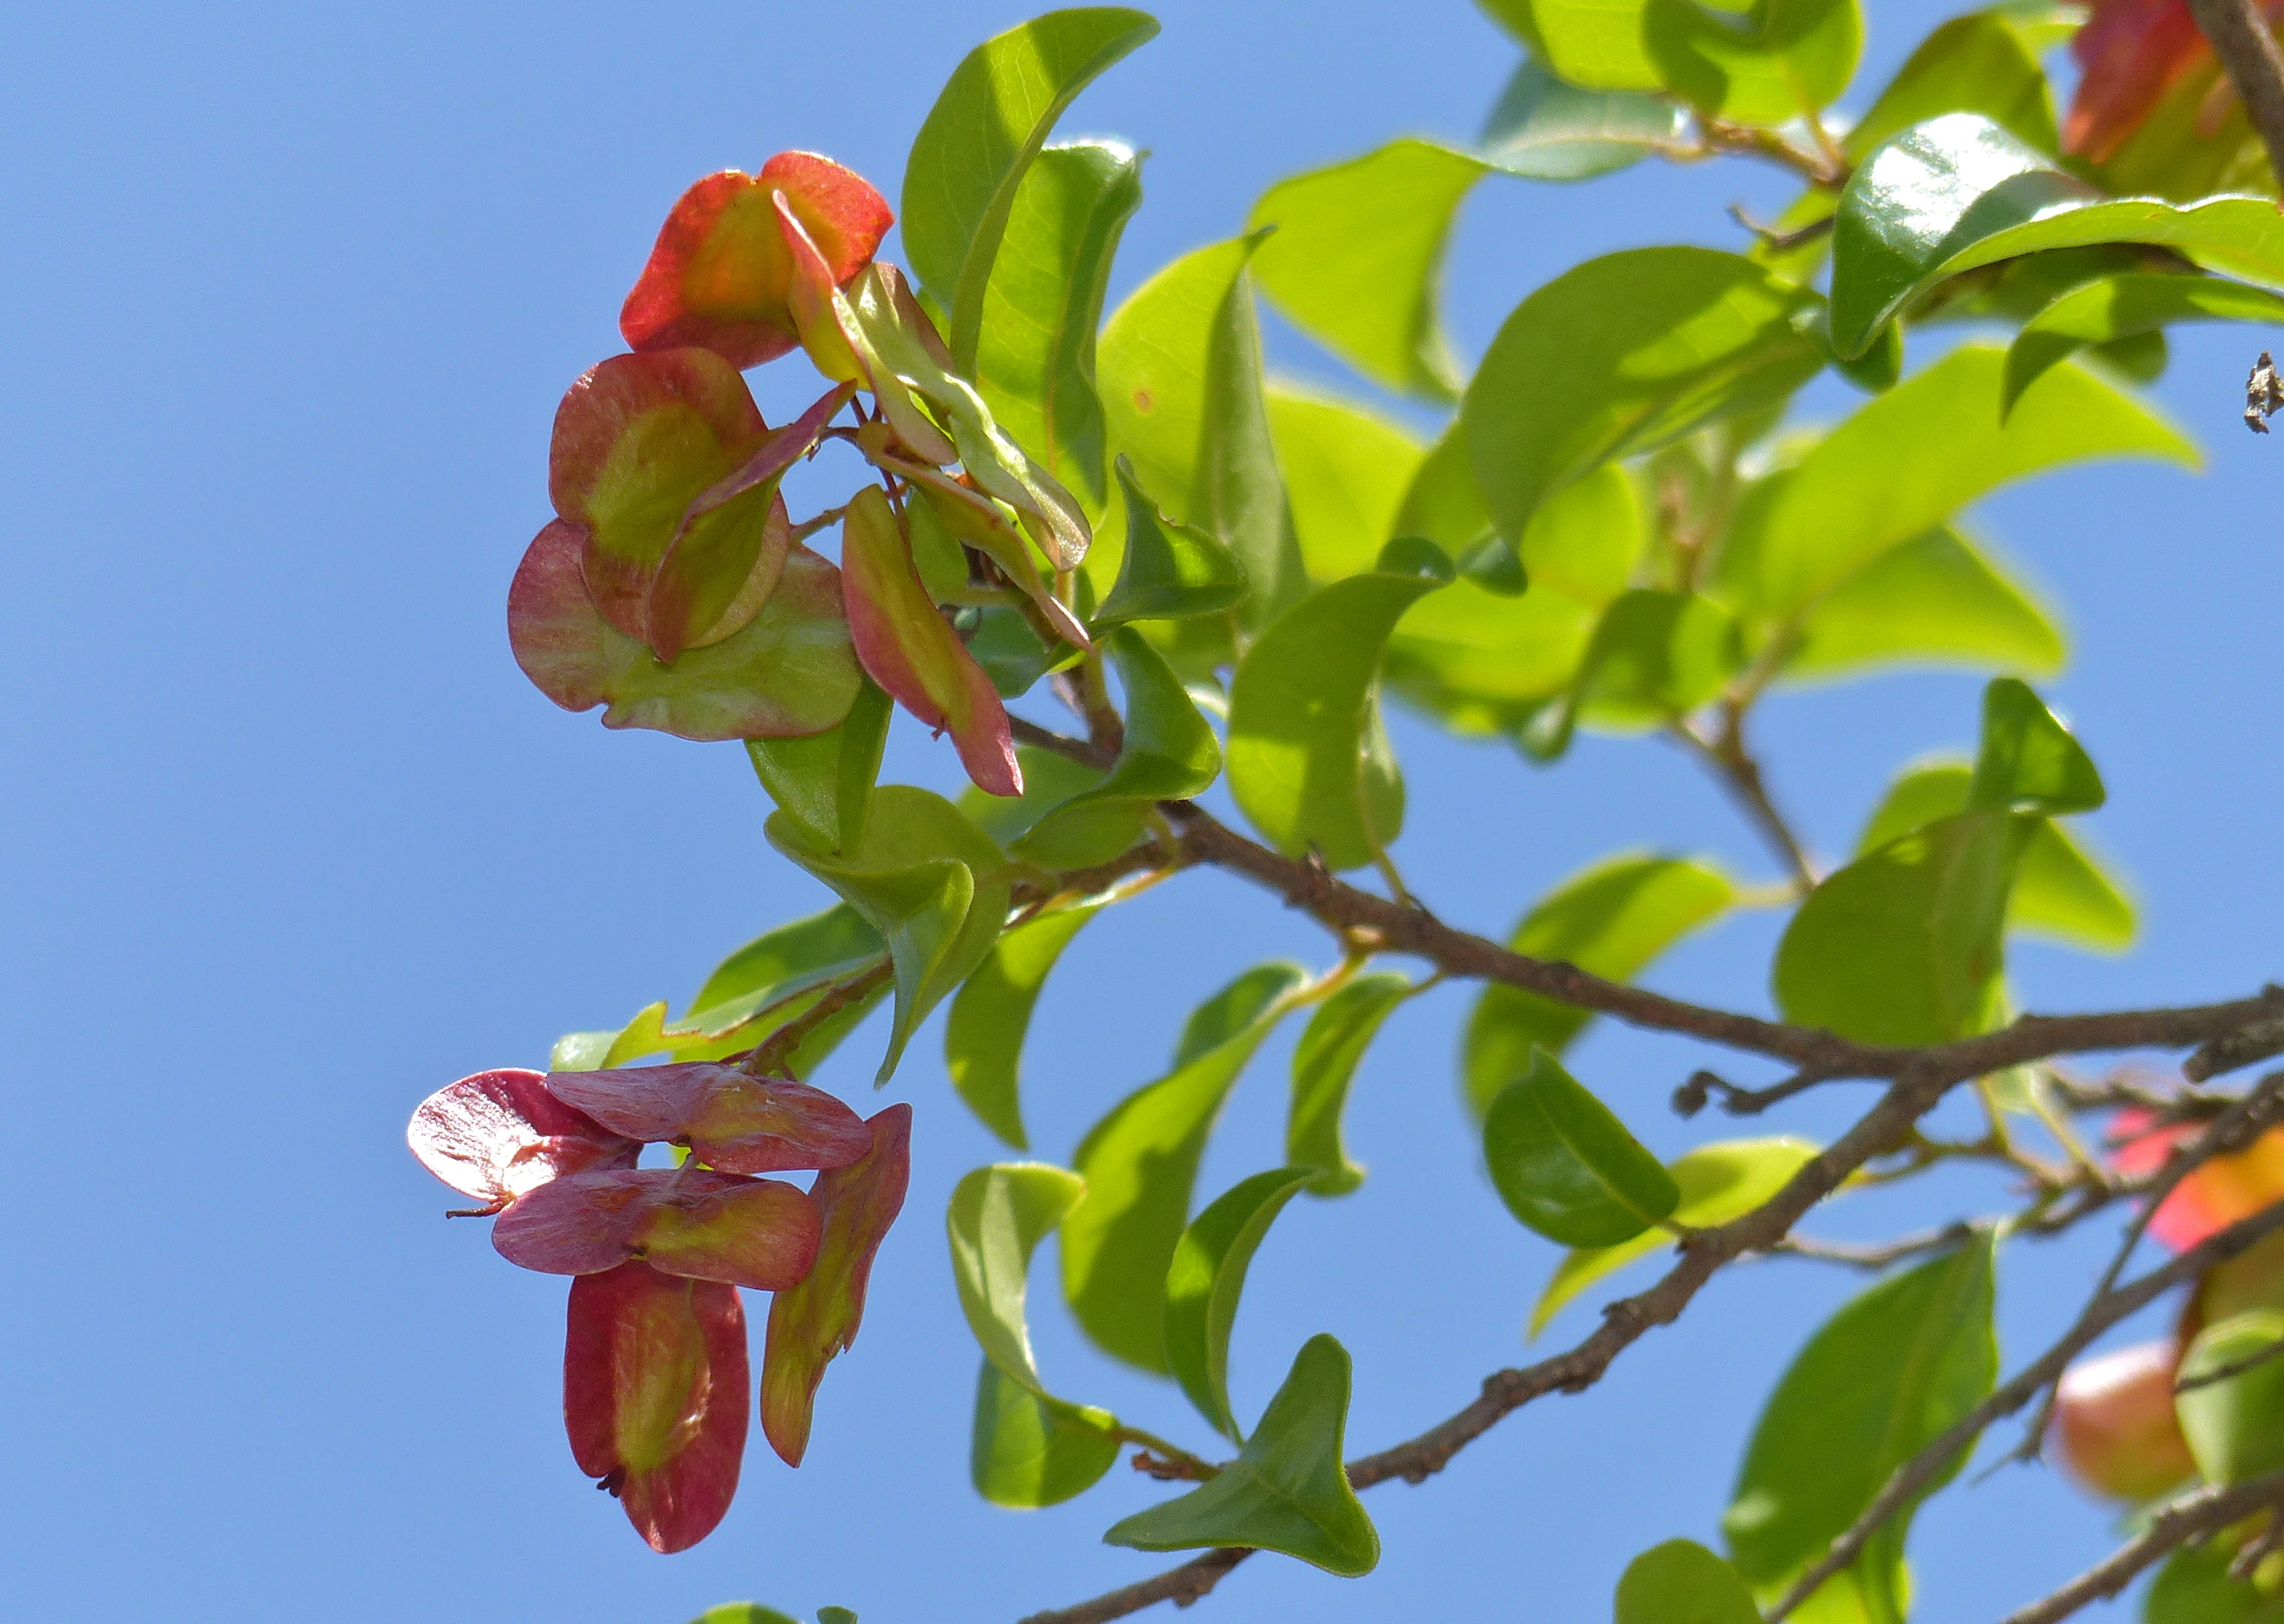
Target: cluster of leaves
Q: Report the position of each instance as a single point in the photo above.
(1621, 526)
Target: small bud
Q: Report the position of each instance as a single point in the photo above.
(2114, 1428)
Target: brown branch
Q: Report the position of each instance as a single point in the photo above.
(1405, 927)
(1922, 1469)
(2241, 39)
(1733, 766)
(2207, 1511)
(1180, 1586)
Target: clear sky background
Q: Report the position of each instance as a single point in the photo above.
(289, 842)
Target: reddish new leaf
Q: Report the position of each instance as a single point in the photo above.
(637, 439)
(752, 1232)
(788, 672)
(713, 578)
(732, 1122)
(2218, 1194)
(819, 1319)
(497, 1134)
(912, 651)
(654, 1375)
(2132, 52)
(720, 272)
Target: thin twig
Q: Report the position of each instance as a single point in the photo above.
(779, 1047)
(2207, 1511)
(1782, 242)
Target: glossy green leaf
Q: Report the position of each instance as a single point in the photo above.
(1140, 1161)
(1286, 1491)
(2126, 306)
(1914, 457)
(1483, 662)
(1025, 1451)
(742, 1612)
(1543, 129)
(2059, 891)
(1049, 780)
(790, 959)
(1903, 946)
(2234, 1425)
(1048, 1449)
(1443, 503)
(1035, 358)
(835, 1615)
(1171, 754)
(1655, 656)
(969, 160)
(1304, 712)
(1935, 599)
(1957, 193)
(1566, 1167)
(1180, 373)
(1718, 1183)
(1323, 1064)
(1884, 1376)
(1169, 571)
(1347, 473)
(1206, 1279)
(1611, 920)
(1765, 64)
(928, 880)
(1356, 258)
(990, 1016)
(1597, 46)
(1682, 1582)
(2029, 761)
(1620, 355)
(1982, 63)
(825, 782)
(2195, 1588)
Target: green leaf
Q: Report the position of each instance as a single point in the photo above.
(835, 1615)
(1346, 474)
(1611, 920)
(2234, 1425)
(1909, 460)
(1170, 571)
(1304, 714)
(1682, 1582)
(1620, 355)
(1565, 1164)
(825, 782)
(1324, 1064)
(1719, 1184)
(1884, 1376)
(1205, 1280)
(1957, 193)
(1286, 1491)
(1767, 64)
(1935, 599)
(1443, 503)
(742, 1612)
(1903, 946)
(928, 880)
(1357, 255)
(1180, 372)
(2130, 304)
(2195, 1588)
(2028, 761)
(1979, 63)
(1035, 353)
(1029, 1447)
(1543, 129)
(1026, 1451)
(2059, 891)
(983, 1038)
(1655, 656)
(1049, 780)
(1482, 663)
(997, 1217)
(808, 953)
(1140, 1161)
(1171, 754)
(969, 160)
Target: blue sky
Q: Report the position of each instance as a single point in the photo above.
(290, 842)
